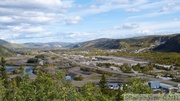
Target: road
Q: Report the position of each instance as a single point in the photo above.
(148, 77)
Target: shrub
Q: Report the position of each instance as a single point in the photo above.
(78, 78)
(32, 60)
(40, 56)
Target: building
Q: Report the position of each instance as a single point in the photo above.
(164, 87)
(68, 78)
(113, 85)
(154, 84)
(41, 62)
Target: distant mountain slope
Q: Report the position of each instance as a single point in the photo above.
(171, 45)
(6, 52)
(11, 45)
(131, 43)
(48, 45)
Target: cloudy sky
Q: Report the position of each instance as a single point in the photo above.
(81, 20)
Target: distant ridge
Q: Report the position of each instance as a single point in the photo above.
(11, 45)
(6, 52)
(164, 43)
(49, 45)
(130, 43)
(171, 45)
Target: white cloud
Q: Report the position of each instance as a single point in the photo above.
(167, 7)
(133, 10)
(5, 19)
(73, 20)
(31, 4)
(109, 5)
(130, 26)
(146, 32)
(34, 11)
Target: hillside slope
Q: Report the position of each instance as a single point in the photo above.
(130, 43)
(6, 52)
(11, 45)
(49, 45)
(171, 45)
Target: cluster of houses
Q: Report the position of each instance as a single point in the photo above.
(156, 86)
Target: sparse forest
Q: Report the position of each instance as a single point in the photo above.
(48, 86)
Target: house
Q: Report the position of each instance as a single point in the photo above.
(178, 85)
(154, 84)
(68, 78)
(41, 62)
(113, 85)
(158, 85)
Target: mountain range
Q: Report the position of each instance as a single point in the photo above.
(165, 43)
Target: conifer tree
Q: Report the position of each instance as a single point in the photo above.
(3, 72)
(103, 83)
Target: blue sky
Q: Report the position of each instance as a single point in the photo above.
(44, 21)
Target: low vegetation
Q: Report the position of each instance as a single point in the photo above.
(78, 78)
(126, 68)
(19, 70)
(107, 65)
(40, 56)
(154, 57)
(96, 71)
(32, 60)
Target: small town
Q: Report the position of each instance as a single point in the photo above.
(89, 50)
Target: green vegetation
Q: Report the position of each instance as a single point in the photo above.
(19, 70)
(137, 67)
(96, 71)
(107, 65)
(40, 57)
(52, 87)
(79, 78)
(137, 86)
(176, 80)
(103, 84)
(124, 45)
(126, 68)
(32, 60)
(3, 72)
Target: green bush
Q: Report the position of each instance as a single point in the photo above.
(40, 56)
(32, 60)
(78, 78)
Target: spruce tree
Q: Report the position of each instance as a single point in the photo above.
(3, 72)
(102, 84)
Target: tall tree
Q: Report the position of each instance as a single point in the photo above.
(138, 86)
(3, 72)
(103, 83)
